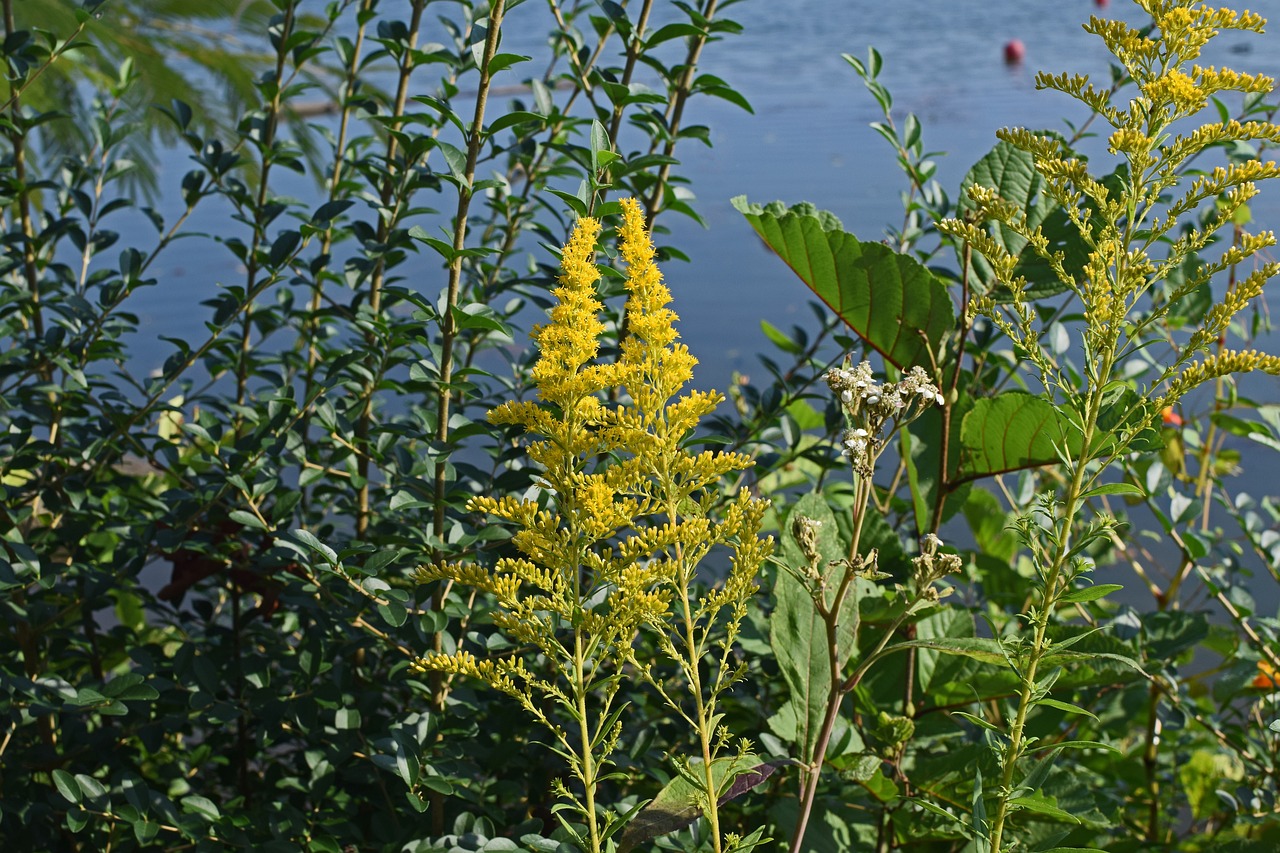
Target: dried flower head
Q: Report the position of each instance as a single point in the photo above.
(874, 411)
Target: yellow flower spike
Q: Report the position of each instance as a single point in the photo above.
(609, 542)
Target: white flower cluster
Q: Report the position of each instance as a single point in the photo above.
(870, 406)
(931, 567)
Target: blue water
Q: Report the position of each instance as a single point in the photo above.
(808, 140)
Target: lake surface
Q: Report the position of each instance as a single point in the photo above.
(808, 140)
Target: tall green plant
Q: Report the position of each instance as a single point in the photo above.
(210, 541)
(612, 543)
(1126, 221)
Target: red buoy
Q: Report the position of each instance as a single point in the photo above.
(1014, 52)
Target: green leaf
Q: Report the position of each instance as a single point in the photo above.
(671, 31)
(247, 519)
(145, 831)
(1066, 706)
(977, 721)
(1012, 431)
(501, 61)
(456, 160)
(676, 805)
(309, 539)
(947, 622)
(1090, 593)
(1113, 489)
(130, 686)
(601, 149)
(195, 804)
(66, 785)
(1074, 744)
(513, 119)
(797, 632)
(779, 338)
(91, 787)
(1042, 805)
(393, 613)
(893, 303)
(478, 316)
(347, 718)
(990, 525)
(1011, 172)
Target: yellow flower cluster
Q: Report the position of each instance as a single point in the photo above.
(1177, 90)
(625, 512)
(1126, 223)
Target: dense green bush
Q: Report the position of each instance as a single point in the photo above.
(251, 597)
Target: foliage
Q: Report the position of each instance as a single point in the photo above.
(209, 610)
(254, 596)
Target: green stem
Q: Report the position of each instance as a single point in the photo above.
(705, 711)
(385, 223)
(1070, 506)
(588, 764)
(448, 325)
(831, 622)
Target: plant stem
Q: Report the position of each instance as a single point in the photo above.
(675, 112)
(448, 324)
(584, 728)
(385, 223)
(706, 734)
(1053, 576)
(260, 210)
(831, 621)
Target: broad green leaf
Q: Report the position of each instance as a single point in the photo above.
(1172, 633)
(797, 633)
(990, 523)
(202, 806)
(891, 301)
(923, 446)
(1011, 172)
(1012, 431)
(66, 785)
(947, 622)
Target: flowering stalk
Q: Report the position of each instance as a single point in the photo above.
(1121, 222)
(873, 413)
(623, 519)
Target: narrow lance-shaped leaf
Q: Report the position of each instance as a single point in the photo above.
(892, 302)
